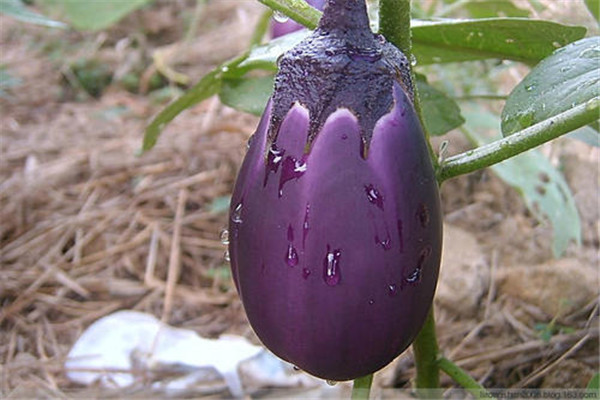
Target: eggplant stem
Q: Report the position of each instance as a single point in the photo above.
(362, 387)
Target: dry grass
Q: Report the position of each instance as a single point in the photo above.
(88, 228)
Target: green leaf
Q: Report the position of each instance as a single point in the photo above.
(247, 94)
(440, 113)
(94, 15)
(259, 57)
(17, 10)
(565, 79)
(209, 85)
(504, 38)
(219, 205)
(494, 8)
(265, 56)
(587, 135)
(541, 185)
(593, 7)
(594, 383)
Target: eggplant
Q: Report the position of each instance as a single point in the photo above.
(335, 227)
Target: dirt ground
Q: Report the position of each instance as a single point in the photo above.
(88, 227)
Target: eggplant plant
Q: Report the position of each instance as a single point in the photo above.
(335, 225)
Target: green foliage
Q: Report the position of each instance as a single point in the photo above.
(18, 10)
(92, 76)
(546, 331)
(441, 114)
(265, 56)
(594, 8)
(516, 39)
(567, 78)
(541, 185)
(588, 135)
(208, 86)
(247, 94)
(494, 8)
(7, 82)
(219, 204)
(594, 384)
(93, 15)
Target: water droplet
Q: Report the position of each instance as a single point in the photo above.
(510, 41)
(296, 368)
(530, 87)
(306, 273)
(566, 69)
(413, 60)
(344, 136)
(414, 277)
(331, 263)
(392, 289)
(224, 237)
(291, 257)
(250, 141)
(423, 215)
(331, 383)
(226, 256)
(305, 225)
(556, 44)
(225, 69)
(290, 233)
(274, 158)
(280, 17)
(236, 215)
(374, 196)
(291, 169)
(371, 302)
(385, 243)
(480, 34)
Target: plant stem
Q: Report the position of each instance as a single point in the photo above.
(394, 23)
(298, 10)
(362, 387)
(261, 28)
(461, 377)
(520, 141)
(425, 349)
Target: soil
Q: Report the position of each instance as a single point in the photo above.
(88, 226)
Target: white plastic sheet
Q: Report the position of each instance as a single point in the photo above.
(130, 348)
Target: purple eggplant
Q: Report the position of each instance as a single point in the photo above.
(335, 222)
(289, 26)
